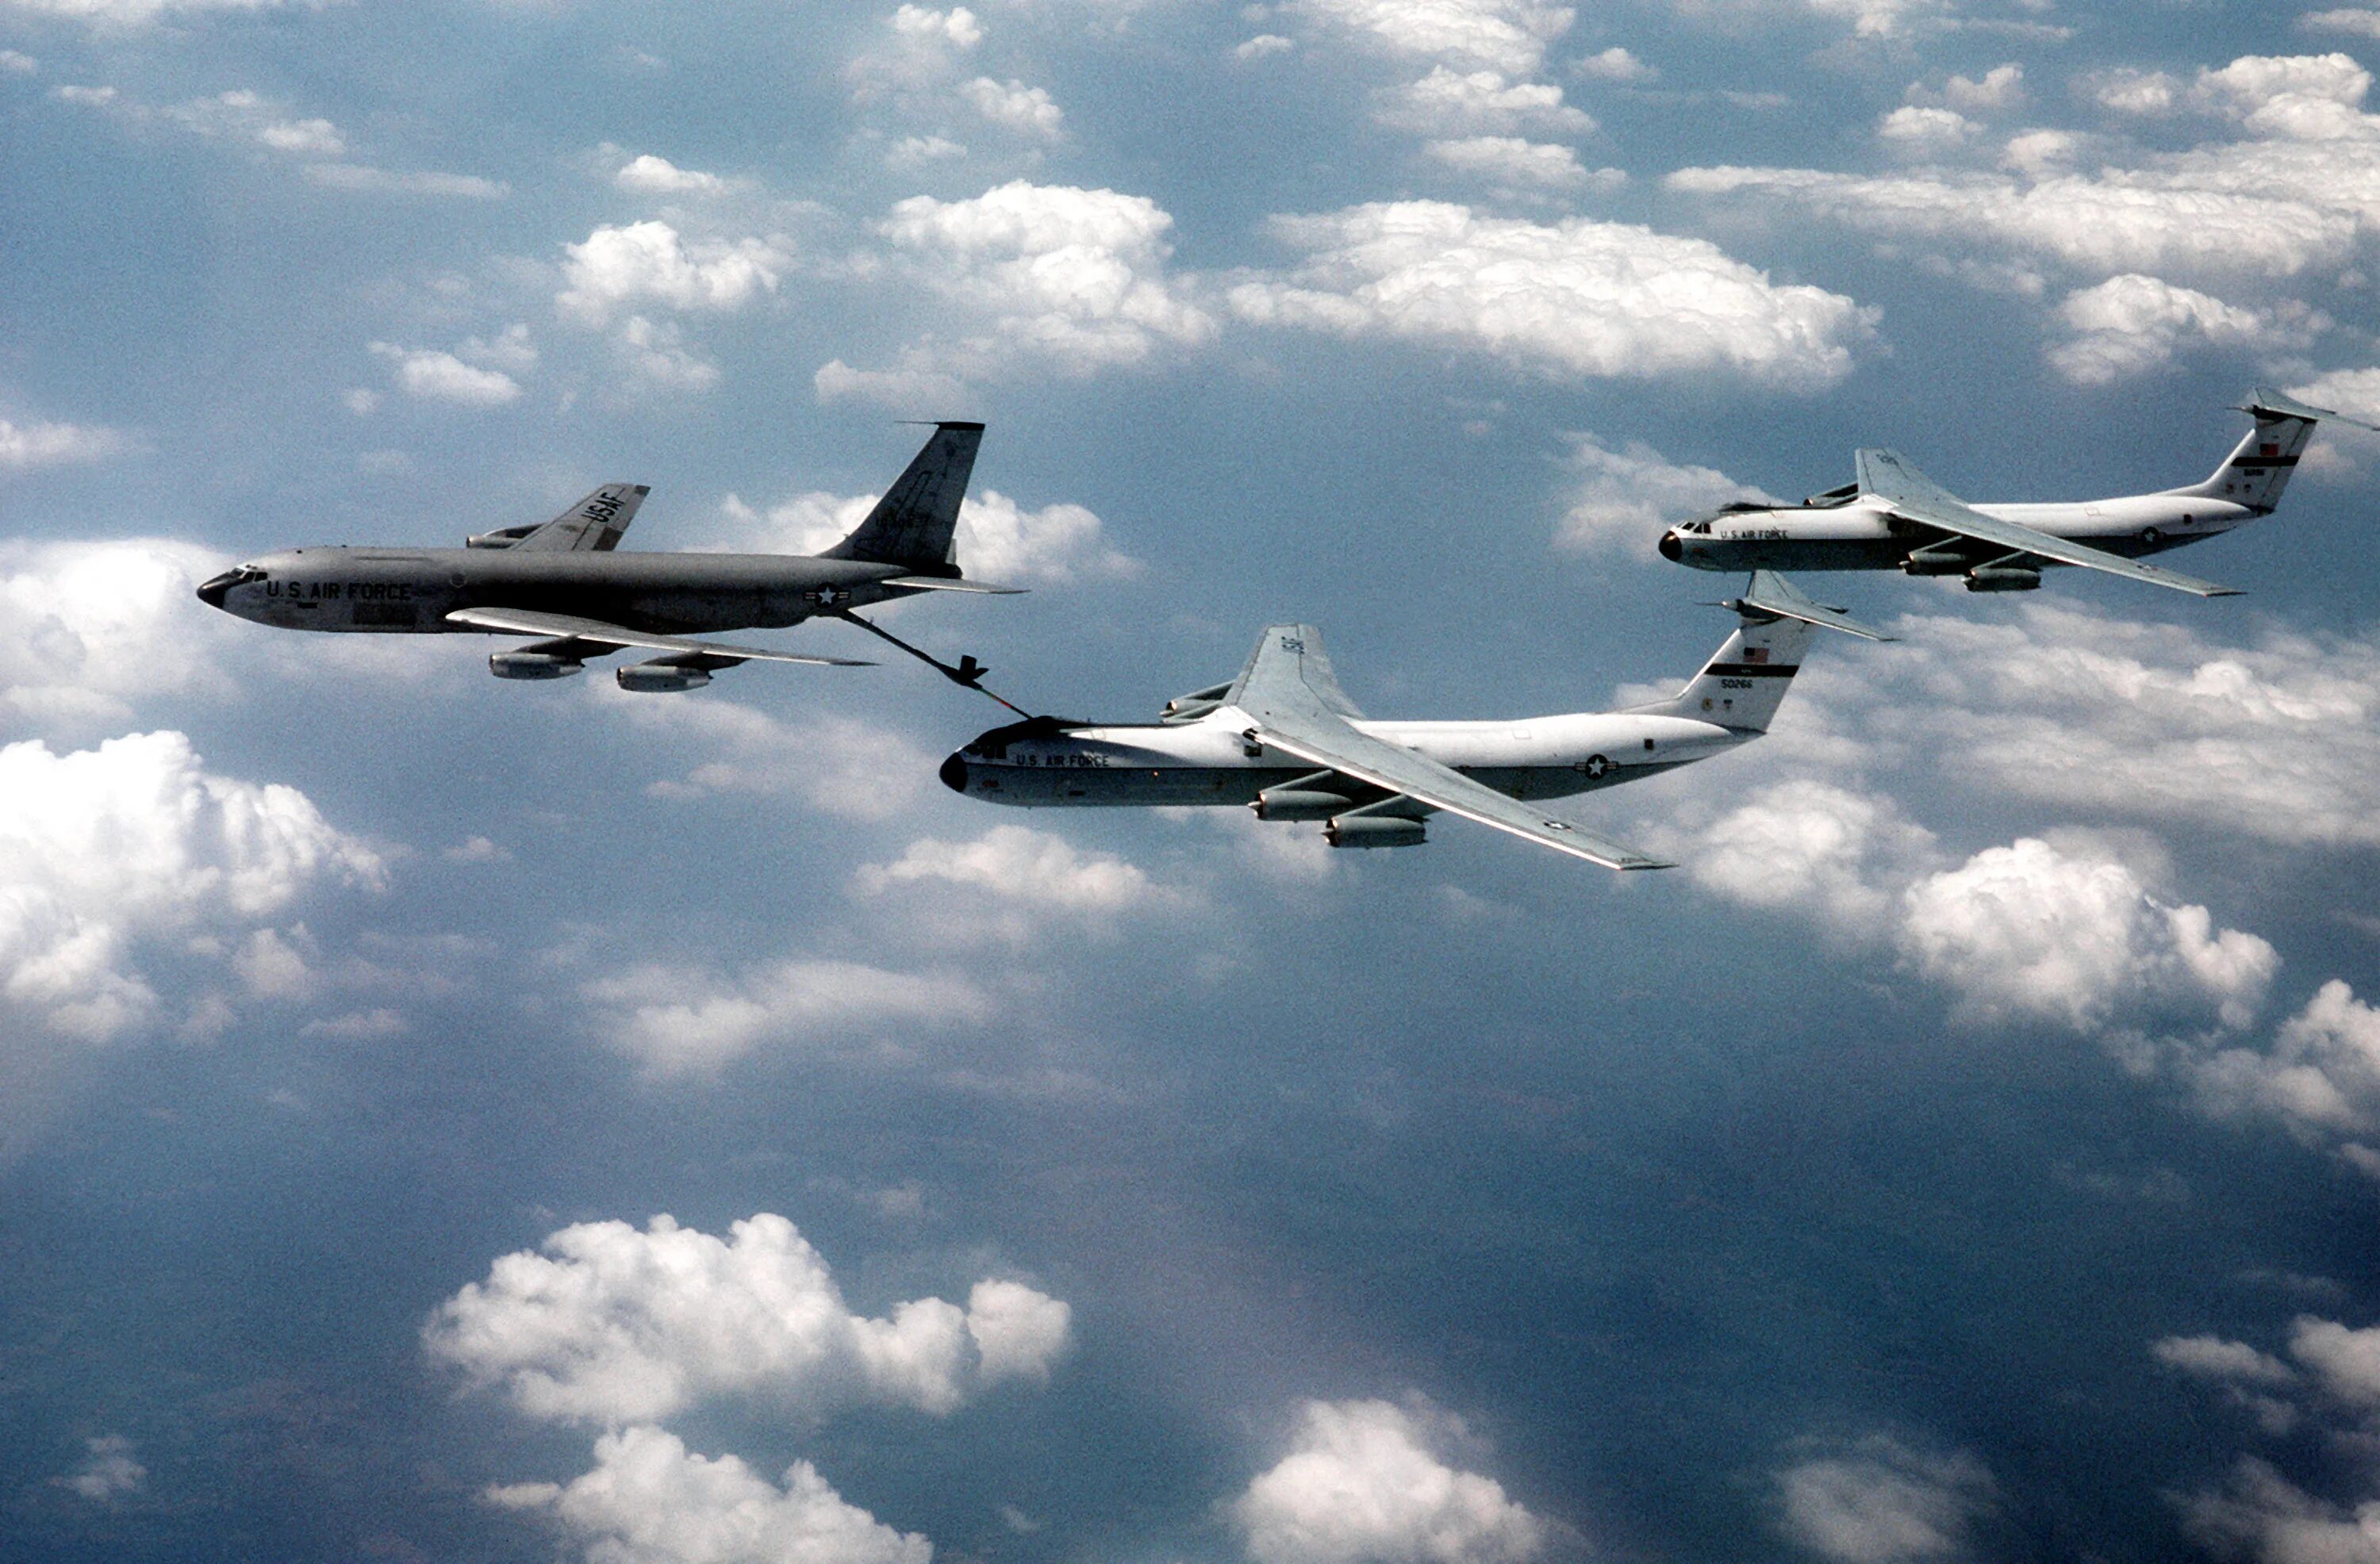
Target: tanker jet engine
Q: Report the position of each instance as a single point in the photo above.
(561, 580)
(1894, 519)
(1283, 740)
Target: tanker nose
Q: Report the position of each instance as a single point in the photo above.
(211, 590)
(1670, 547)
(953, 774)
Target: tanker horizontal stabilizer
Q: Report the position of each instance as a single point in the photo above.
(528, 622)
(1914, 497)
(1771, 593)
(941, 584)
(2264, 399)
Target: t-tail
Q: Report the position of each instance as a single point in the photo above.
(2258, 469)
(916, 525)
(1745, 680)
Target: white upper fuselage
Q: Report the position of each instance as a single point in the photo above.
(1208, 761)
(1862, 534)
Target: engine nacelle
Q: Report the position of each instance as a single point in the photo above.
(1299, 804)
(2002, 579)
(1375, 830)
(660, 678)
(1937, 562)
(502, 538)
(532, 665)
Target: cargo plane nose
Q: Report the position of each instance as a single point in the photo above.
(1670, 547)
(954, 774)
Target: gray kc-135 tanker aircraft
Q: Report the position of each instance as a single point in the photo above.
(1283, 739)
(1893, 517)
(563, 581)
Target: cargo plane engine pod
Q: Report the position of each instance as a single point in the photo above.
(1893, 517)
(1283, 740)
(563, 581)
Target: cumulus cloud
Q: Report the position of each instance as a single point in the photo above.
(1568, 301)
(1616, 63)
(2364, 23)
(89, 631)
(2321, 1078)
(2212, 1357)
(652, 175)
(1002, 882)
(1927, 131)
(1447, 103)
(247, 116)
(1881, 1502)
(606, 1323)
(1364, 1483)
(1069, 278)
(29, 447)
(1510, 162)
(2066, 933)
(434, 375)
(956, 26)
(678, 1018)
(102, 850)
(920, 393)
(1014, 107)
(2131, 324)
(1809, 845)
(1506, 35)
(2259, 1514)
(838, 766)
(130, 13)
(651, 1500)
(650, 264)
(109, 1471)
(1623, 499)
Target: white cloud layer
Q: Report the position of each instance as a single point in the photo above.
(611, 1324)
(651, 1500)
(2296, 190)
(1363, 1485)
(1569, 300)
(109, 1472)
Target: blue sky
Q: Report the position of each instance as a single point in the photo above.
(445, 1119)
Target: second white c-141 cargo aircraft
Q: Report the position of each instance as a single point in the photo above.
(1893, 517)
(1283, 739)
(562, 580)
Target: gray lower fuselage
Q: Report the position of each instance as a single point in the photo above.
(1864, 536)
(412, 591)
(1211, 762)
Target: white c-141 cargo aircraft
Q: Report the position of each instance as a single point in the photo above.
(1895, 518)
(561, 580)
(1284, 740)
